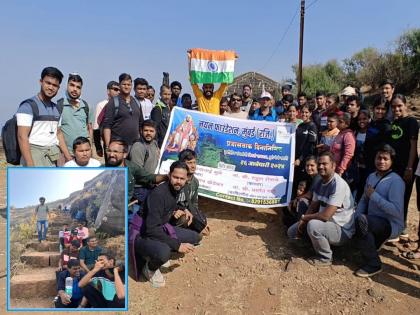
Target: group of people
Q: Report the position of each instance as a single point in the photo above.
(347, 154)
(97, 278)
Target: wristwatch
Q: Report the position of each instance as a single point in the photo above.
(302, 216)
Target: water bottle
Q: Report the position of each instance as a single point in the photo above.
(69, 286)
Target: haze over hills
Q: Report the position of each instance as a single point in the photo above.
(102, 199)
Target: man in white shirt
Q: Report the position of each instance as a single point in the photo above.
(113, 89)
(140, 96)
(82, 154)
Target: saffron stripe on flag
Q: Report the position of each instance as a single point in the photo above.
(211, 77)
(212, 65)
(198, 53)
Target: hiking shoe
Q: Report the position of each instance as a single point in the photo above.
(368, 271)
(167, 264)
(155, 277)
(317, 262)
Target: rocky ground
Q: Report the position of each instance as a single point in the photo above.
(247, 266)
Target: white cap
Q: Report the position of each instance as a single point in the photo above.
(266, 94)
(348, 91)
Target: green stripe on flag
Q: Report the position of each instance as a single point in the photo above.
(211, 77)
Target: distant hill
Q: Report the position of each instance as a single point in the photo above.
(102, 199)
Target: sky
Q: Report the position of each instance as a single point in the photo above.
(101, 39)
(27, 185)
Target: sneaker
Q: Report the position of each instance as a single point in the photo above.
(368, 271)
(317, 262)
(167, 264)
(393, 240)
(155, 277)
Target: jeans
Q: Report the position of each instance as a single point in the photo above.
(379, 230)
(157, 253)
(39, 225)
(322, 235)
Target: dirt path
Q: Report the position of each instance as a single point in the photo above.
(244, 267)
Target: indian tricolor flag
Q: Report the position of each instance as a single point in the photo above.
(211, 66)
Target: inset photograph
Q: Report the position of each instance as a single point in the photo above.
(66, 239)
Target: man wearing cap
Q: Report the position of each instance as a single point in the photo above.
(265, 112)
(345, 93)
(112, 89)
(42, 214)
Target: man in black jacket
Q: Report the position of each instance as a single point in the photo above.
(159, 238)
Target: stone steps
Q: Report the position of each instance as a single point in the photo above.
(41, 259)
(45, 246)
(34, 283)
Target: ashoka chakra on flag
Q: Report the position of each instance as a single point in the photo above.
(211, 66)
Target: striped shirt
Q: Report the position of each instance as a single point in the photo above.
(44, 129)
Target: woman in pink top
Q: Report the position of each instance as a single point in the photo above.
(82, 232)
(344, 144)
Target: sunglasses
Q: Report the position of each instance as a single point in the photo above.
(115, 89)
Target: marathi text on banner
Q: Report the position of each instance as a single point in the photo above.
(244, 162)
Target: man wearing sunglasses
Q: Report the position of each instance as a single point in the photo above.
(123, 117)
(235, 105)
(113, 89)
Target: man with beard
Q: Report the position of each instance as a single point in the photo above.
(329, 219)
(140, 93)
(158, 237)
(123, 117)
(38, 135)
(161, 113)
(208, 101)
(75, 120)
(246, 98)
(82, 152)
(145, 154)
(117, 153)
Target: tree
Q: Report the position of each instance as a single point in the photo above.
(326, 77)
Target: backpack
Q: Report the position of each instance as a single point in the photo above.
(60, 104)
(9, 134)
(101, 115)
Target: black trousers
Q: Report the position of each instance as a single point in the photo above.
(157, 252)
(97, 300)
(72, 304)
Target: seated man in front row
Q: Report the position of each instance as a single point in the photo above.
(82, 152)
(379, 214)
(103, 286)
(188, 215)
(158, 237)
(329, 219)
(64, 300)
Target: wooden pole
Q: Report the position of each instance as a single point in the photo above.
(302, 23)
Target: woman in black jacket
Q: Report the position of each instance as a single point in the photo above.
(306, 138)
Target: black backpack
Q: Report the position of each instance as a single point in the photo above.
(60, 104)
(9, 135)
